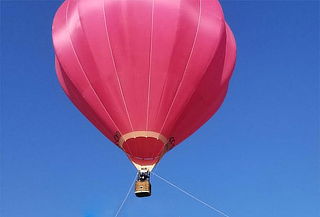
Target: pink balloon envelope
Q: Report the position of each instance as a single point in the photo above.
(146, 73)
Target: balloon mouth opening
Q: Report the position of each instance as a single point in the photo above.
(144, 151)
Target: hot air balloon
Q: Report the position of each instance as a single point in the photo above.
(146, 73)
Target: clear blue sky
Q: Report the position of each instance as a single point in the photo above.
(258, 157)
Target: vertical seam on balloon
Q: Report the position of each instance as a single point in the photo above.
(150, 65)
(114, 65)
(161, 96)
(84, 73)
(186, 67)
(194, 91)
(105, 108)
(81, 25)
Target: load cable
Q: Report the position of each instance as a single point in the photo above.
(126, 197)
(190, 195)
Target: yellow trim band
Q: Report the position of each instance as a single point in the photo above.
(146, 134)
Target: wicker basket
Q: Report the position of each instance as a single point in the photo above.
(143, 188)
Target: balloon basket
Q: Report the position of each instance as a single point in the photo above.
(143, 185)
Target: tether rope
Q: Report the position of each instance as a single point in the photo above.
(190, 195)
(126, 197)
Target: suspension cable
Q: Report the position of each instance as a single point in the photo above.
(190, 195)
(126, 197)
